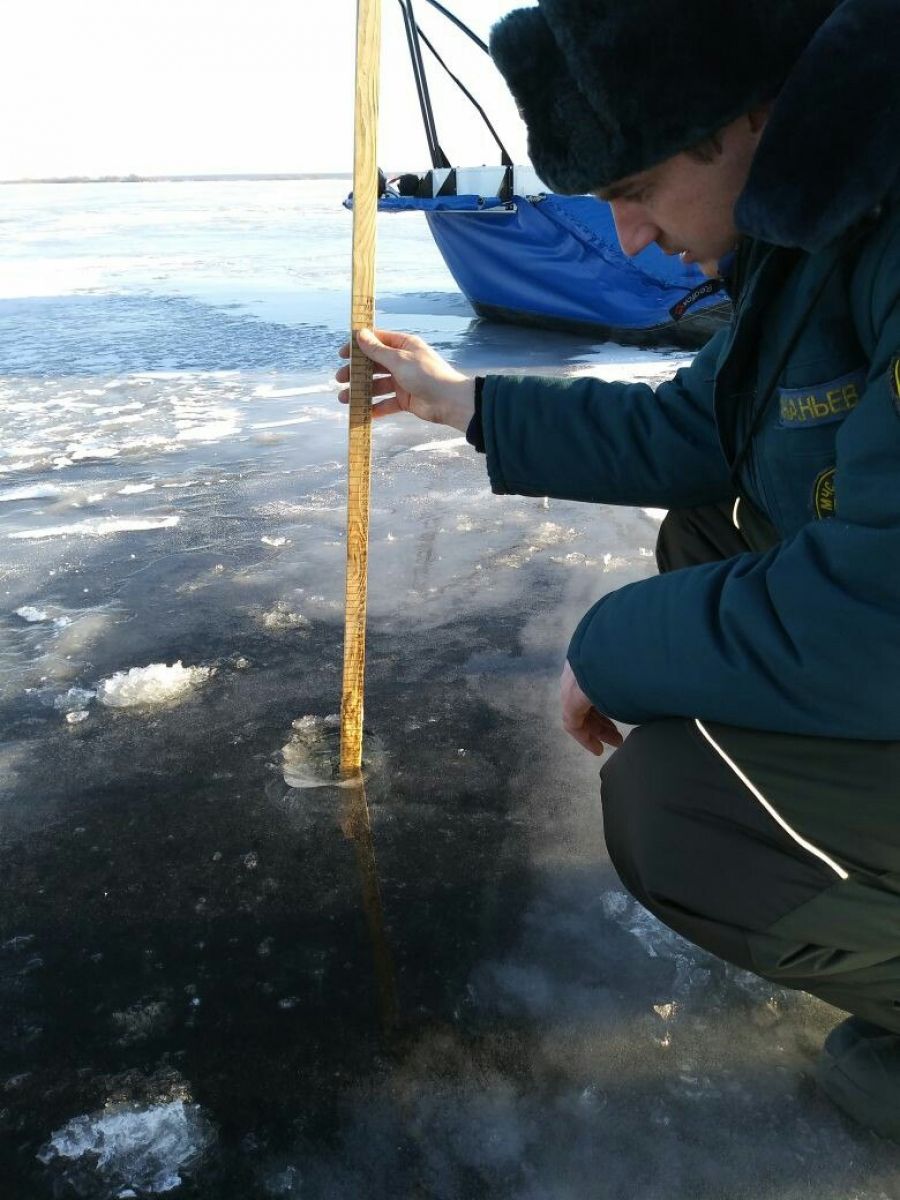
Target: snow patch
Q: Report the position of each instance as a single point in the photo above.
(99, 528)
(441, 446)
(211, 431)
(40, 492)
(269, 393)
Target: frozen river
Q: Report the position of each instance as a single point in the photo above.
(219, 981)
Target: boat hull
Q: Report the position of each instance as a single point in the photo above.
(554, 262)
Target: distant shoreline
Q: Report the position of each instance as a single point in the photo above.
(273, 177)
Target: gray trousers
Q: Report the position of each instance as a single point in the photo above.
(776, 852)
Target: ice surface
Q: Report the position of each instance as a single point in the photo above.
(151, 685)
(146, 1148)
(187, 888)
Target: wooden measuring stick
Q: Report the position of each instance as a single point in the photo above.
(365, 210)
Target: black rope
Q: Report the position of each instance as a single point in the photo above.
(505, 159)
(438, 157)
(459, 25)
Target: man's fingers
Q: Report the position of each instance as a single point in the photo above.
(386, 408)
(601, 727)
(398, 341)
(592, 730)
(384, 385)
(372, 345)
(592, 745)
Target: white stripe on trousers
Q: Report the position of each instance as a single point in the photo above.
(792, 833)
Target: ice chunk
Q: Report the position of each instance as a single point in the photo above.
(74, 700)
(154, 684)
(281, 617)
(133, 1147)
(614, 904)
(32, 615)
(142, 1020)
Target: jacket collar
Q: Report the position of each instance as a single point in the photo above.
(830, 153)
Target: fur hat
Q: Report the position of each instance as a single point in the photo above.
(608, 88)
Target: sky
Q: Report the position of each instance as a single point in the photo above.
(160, 87)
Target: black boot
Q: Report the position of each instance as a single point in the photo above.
(859, 1070)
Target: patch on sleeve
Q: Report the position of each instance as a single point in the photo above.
(824, 501)
(895, 380)
(821, 403)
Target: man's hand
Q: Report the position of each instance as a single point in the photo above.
(411, 377)
(588, 727)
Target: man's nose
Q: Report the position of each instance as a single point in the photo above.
(634, 229)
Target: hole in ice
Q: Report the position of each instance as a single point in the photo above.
(312, 757)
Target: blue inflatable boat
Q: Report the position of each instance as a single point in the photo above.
(554, 262)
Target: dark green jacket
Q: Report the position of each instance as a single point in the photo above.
(795, 408)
